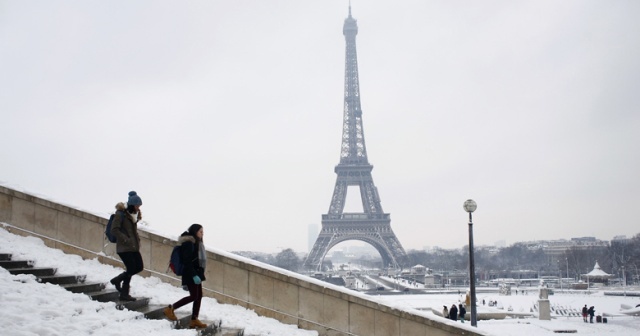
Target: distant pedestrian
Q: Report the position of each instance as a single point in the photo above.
(453, 312)
(194, 258)
(445, 312)
(585, 313)
(483, 302)
(125, 229)
(461, 312)
(591, 312)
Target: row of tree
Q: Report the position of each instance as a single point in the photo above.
(613, 258)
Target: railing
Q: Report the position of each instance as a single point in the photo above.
(356, 216)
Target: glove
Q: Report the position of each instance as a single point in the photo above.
(196, 280)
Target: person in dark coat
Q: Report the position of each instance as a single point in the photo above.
(585, 313)
(194, 258)
(591, 312)
(125, 229)
(461, 312)
(453, 312)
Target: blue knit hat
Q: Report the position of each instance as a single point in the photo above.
(134, 199)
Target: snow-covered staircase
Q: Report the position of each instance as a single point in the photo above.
(99, 292)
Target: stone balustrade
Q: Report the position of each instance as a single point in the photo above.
(286, 296)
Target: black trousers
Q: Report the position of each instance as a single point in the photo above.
(133, 264)
(195, 296)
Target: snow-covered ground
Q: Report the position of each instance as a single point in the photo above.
(563, 304)
(32, 308)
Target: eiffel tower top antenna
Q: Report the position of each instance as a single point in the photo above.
(353, 150)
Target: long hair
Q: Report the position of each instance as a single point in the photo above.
(131, 208)
(193, 230)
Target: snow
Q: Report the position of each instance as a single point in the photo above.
(598, 272)
(31, 308)
(518, 304)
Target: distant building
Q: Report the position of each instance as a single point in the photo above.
(621, 239)
(555, 248)
(418, 269)
(312, 234)
(433, 281)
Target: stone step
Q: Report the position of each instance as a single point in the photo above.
(225, 332)
(106, 295)
(37, 271)
(12, 264)
(229, 332)
(153, 312)
(84, 287)
(97, 292)
(62, 279)
(139, 303)
(214, 328)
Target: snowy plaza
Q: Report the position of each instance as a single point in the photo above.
(43, 309)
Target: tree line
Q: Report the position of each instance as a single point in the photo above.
(614, 258)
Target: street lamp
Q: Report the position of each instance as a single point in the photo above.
(624, 282)
(470, 206)
(560, 274)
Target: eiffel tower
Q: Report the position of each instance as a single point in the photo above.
(372, 226)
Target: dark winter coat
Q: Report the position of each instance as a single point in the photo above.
(453, 313)
(190, 259)
(591, 311)
(126, 231)
(462, 311)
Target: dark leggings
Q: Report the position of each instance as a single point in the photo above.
(195, 296)
(133, 263)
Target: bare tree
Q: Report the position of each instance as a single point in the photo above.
(288, 260)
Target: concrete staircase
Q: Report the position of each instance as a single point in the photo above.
(98, 292)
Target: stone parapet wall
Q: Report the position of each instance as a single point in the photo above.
(288, 297)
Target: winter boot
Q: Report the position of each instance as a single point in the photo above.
(195, 323)
(117, 281)
(124, 293)
(168, 312)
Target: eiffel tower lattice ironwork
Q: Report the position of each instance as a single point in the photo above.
(372, 226)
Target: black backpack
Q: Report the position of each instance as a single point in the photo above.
(107, 230)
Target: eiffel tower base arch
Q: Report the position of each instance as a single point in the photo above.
(375, 233)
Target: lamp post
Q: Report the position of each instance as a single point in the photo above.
(470, 206)
(560, 271)
(624, 282)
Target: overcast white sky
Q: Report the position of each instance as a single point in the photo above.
(229, 114)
